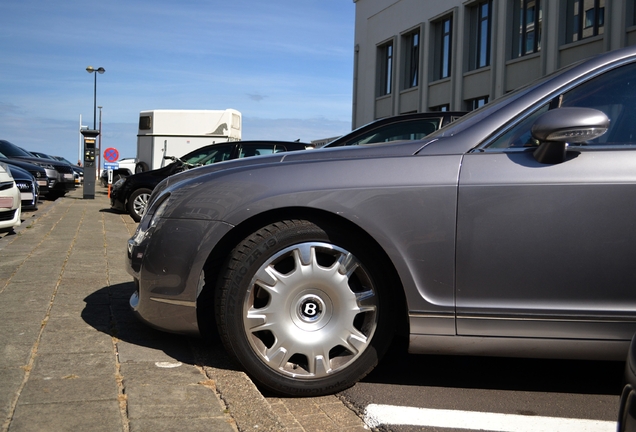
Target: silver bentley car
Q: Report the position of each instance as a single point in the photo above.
(510, 232)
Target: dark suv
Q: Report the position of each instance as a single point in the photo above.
(130, 194)
(60, 175)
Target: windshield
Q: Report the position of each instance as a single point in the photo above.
(478, 115)
(12, 150)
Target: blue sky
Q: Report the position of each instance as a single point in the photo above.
(287, 66)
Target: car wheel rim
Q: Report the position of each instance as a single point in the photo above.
(140, 203)
(311, 310)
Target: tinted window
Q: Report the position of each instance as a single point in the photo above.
(407, 130)
(256, 150)
(613, 93)
(208, 155)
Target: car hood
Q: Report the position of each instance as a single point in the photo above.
(381, 150)
(19, 173)
(32, 168)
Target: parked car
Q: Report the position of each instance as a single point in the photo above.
(9, 200)
(36, 171)
(27, 185)
(405, 127)
(509, 232)
(130, 194)
(60, 175)
(78, 172)
(127, 166)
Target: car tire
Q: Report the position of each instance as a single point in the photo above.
(141, 167)
(304, 308)
(138, 202)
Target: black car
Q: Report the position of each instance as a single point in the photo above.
(77, 170)
(130, 194)
(36, 171)
(59, 174)
(29, 190)
(405, 127)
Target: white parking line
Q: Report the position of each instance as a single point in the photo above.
(376, 415)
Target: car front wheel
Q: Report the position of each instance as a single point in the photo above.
(304, 308)
(138, 202)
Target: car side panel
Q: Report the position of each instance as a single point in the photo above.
(419, 238)
(549, 251)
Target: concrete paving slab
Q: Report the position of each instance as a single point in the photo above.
(68, 389)
(15, 353)
(161, 351)
(186, 401)
(75, 341)
(176, 424)
(82, 365)
(10, 381)
(94, 416)
(170, 373)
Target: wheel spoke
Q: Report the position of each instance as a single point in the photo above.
(366, 301)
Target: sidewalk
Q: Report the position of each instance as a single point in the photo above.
(73, 357)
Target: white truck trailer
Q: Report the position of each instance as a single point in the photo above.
(177, 132)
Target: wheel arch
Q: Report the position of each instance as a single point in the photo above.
(222, 249)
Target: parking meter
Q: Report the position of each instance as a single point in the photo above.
(89, 162)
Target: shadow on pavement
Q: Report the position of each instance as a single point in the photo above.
(497, 373)
(107, 310)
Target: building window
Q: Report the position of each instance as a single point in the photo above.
(411, 44)
(528, 18)
(442, 108)
(585, 18)
(385, 68)
(473, 104)
(480, 35)
(443, 48)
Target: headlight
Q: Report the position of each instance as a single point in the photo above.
(119, 183)
(6, 168)
(44, 165)
(156, 215)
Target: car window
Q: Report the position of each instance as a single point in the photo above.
(256, 150)
(210, 155)
(519, 136)
(613, 93)
(406, 130)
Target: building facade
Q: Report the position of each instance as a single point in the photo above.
(428, 55)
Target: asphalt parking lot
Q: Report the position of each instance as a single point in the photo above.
(75, 358)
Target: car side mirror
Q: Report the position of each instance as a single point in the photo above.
(556, 128)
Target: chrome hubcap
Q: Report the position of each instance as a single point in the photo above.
(311, 310)
(140, 203)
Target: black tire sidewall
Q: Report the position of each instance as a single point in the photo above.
(247, 258)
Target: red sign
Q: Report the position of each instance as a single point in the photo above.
(111, 154)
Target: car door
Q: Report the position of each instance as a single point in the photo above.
(548, 250)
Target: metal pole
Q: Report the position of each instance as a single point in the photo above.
(95, 100)
(79, 145)
(99, 149)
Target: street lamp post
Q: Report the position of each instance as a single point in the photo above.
(100, 70)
